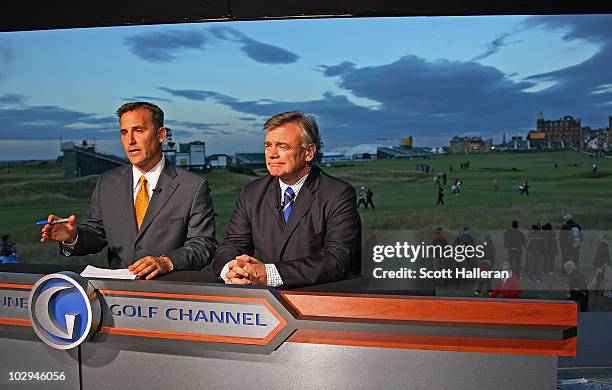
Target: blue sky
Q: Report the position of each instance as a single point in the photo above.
(363, 79)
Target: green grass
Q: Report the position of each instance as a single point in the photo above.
(404, 198)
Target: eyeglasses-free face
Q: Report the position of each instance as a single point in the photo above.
(286, 157)
(140, 139)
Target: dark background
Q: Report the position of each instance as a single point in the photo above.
(43, 15)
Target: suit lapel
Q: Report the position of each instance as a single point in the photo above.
(166, 187)
(302, 204)
(273, 201)
(126, 196)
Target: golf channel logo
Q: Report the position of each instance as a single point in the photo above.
(64, 309)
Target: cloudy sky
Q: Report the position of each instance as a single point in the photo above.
(363, 79)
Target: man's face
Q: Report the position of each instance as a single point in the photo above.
(286, 157)
(140, 139)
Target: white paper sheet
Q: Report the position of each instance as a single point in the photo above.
(95, 272)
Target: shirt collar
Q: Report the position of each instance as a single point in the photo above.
(152, 176)
(296, 187)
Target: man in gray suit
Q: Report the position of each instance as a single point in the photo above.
(153, 217)
(296, 226)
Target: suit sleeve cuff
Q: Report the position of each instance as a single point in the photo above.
(274, 278)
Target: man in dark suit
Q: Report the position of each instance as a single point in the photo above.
(153, 217)
(296, 226)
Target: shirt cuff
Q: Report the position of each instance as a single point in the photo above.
(224, 272)
(274, 278)
(68, 248)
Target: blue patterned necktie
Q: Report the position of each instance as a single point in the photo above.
(288, 203)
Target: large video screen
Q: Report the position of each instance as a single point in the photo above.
(449, 129)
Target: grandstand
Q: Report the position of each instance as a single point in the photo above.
(400, 153)
(84, 160)
(250, 160)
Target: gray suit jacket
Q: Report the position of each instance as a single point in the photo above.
(319, 243)
(179, 221)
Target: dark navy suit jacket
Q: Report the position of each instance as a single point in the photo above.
(319, 243)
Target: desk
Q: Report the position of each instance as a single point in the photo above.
(312, 340)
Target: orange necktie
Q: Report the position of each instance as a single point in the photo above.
(142, 201)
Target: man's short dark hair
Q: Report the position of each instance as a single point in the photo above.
(306, 123)
(515, 224)
(157, 115)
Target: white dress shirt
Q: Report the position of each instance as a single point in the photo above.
(152, 177)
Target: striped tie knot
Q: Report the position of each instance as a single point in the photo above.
(288, 203)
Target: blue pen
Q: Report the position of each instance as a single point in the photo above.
(52, 222)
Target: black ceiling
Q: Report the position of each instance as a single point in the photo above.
(41, 15)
